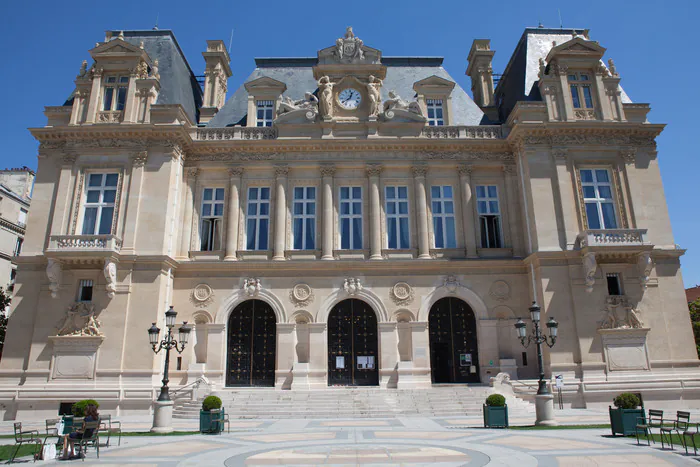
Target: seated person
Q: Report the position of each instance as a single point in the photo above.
(91, 415)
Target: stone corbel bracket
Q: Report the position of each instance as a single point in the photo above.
(645, 264)
(590, 265)
(54, 271)
(110, 273)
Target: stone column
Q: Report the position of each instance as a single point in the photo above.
(186, 238)
(59, 225)
(318, 356)
(94, 96)
(388, 357)
(416, 373)
(233, 213)
(284, 355)
(78, 106)
(469, 221)
(419, 173)
(216, 354)
(375, 223)
(327, 227)
(131, 104)
(280, 212)
(138, 160)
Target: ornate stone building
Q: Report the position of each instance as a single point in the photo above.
(347, 219)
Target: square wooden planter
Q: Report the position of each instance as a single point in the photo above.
(624, 421)
(496, 417)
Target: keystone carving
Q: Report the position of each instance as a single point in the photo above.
(352, 285)
(252, 286)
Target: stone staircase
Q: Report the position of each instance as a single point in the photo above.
(439, 401)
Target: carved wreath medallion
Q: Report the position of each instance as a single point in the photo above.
(500, 290)
(301, 295)
(202, 295)
(401, 293)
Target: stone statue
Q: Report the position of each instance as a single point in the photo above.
(154, 70)
(142, 70)
(543, 68)
(309, 102)
(633, 319)
(645, 264)
(80, 320)
(395, 102)
(54, 272)
(375, 98)
(83, 69)
(349, 47)
(610, 320)
(110, 273)
(325, 87)
(613, 68)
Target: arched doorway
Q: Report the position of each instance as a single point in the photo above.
(252, 340)
(454, 354)
(353, 348)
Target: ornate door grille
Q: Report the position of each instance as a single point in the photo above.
(454, 353)
(252, 340)
(353, 356)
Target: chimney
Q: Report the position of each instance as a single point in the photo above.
(216, 73)
(480, 72)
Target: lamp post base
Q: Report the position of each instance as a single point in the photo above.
(162, 417)
(544, 409)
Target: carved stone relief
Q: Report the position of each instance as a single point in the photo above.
(619, 314)
(451, 283)
(401, 293)
(646, 264)
(202, 295)
(352, 285)
(590, 266)
(500, 291)
(301, 295)
(80, 320)
(54, 272)
(252, 286)
(110, 273)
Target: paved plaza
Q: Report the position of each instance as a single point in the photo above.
(414, 441)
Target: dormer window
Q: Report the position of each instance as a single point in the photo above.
(265, 111)
(115, 93)
(435, 112)
(581, 95)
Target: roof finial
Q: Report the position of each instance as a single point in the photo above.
(121, 35)
(155, 28)
(141, 45)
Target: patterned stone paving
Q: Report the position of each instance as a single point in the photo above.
(391, 442)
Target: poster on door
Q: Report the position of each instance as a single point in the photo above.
(340, 363)
(365, 362)
(465, 359)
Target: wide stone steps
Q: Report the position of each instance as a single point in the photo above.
(352, 402)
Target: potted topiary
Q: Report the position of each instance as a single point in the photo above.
(495, 412)
(211, 422)
(624, 418)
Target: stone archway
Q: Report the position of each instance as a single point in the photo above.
(251, 345)
(454, 351)
(353, 344)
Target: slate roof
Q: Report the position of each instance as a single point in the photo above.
(297, 74)
(178, 84)
(519, 80)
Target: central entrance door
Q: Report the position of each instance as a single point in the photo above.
(454, 354)
(252, 339)
(353, 357)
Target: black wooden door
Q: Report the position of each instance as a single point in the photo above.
(252, 340)
(454, 354)
(353, 356)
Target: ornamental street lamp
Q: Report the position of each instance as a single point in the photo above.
(162, 414)
(544, 400)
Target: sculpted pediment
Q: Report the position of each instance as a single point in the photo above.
(433, 82)
(349, 49)
(117, 46)
(265, 83)
(577, 46)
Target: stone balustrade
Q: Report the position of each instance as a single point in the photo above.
(87, 243)
(612, 237)
(234, 133)
(463, 132)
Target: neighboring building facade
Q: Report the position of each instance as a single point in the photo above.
(347, 219)
(15, 198)
(692, 293)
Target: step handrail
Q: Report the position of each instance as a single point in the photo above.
(191, 386)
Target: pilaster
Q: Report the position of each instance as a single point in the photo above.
(419, 173)
(327, 173)
(233, 213)
(281, 173)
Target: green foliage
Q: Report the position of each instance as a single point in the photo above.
(694, 308)
(626, 400)
(211, 402)
(80, 407)
(4, 303)
(495, 400)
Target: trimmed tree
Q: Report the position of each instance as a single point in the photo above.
(4, 303)
(694, 308)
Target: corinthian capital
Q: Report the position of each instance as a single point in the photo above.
(281, 170)
(235, 171)
(373, 170)
(419, 170)
(327, 170)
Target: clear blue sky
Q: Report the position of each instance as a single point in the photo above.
(42, 44)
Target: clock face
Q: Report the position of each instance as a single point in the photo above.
(349, 98)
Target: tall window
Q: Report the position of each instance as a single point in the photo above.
(397, 216)
(489, 215)
(580, 86)
(304, 218)
(18, 246)
(85, 290)
(100, 199)
(22, 219)
(258, 217)
(614, 283)
(115, 92)
(265, 111)
(443, 216)
(351, 218)
(598, 199)
(435, 112)
(212, 218)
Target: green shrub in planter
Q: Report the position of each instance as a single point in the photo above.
(624, 418)
(495, 412)
(80, 407)
(211, 422)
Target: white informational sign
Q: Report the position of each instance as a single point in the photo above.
(559, 381)
(340, 363)
(365, 362)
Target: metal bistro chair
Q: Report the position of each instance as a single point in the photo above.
(52, 431)
(692, 435)
(679, 425)
(25, 437)
(227, 422)
(92, 440)
(109, 426)
(656, 419)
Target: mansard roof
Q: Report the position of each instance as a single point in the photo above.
(297, 74)
(519, 79)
